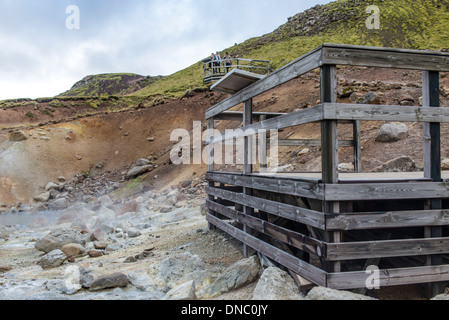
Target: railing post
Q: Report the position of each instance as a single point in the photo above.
(210, 166)
(329, 146)
(247, 167)
(432, 158)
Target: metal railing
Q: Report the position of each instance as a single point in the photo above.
(214, 70)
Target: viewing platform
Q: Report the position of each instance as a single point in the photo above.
(330, 227)
(212, 72)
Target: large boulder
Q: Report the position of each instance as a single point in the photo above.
(401, 164)
(58, 238)
(138, 170)
(391, 132)
(185, 291)
(52, 259)
(236, 276)
(116, 280)
(17, 136)
(276, 284)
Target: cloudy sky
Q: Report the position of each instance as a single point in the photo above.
(43, 51)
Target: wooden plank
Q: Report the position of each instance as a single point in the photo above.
(386, 191)
(238, 115)
(300, 267)
(389, 277)
(311, 143)
(300, 66)
(290, 212)
(286, 186)
(385, 57)
(289, 237)
(392, 219)
(385, 249)
(312, 114)
(372, 112)
(263, 147)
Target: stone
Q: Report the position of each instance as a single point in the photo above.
(100, 245)
(346, 167)
(183, 292)
(142, 162)
(5, 269)
(401, 164)
(97, 235)
(276, 284)
(151, 139)
(51, 185)
(94, 253)
(133, 233)
(17, 136)
(445, 164)
(61, 179)
(166, 209)
(44, 197)
(58, 238)
(116, 280)
(443, 296)
(303, 152)
(236, 276)
(52, 259)
(170, 270)
(370, 98)
(58, 204)
(73, 250)
(321, 293)
(406, 100)
(392, 132)
(139, 170)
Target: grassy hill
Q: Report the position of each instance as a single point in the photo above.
(421, 24)
(109, 84)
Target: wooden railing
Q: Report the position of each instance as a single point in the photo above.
(214, 70)
(345, 222)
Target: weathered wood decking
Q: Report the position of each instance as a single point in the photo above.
(328, 227)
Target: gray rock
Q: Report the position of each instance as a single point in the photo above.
(443, 296)
(370, 98)
(236, 276)
(183, 292)
(276, 284)
(17, 136)
(116, 280)
(401, 164)
(52, 259)
(170, 270)
(321, 293)
(391, 132)
(142, 162)
(44, 197)
(137, 171)
(58, 204)
(133, 232)
(166, 209)
(59, 237)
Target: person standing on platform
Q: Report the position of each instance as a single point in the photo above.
(212, 63)
(218, 62)
(228, 61)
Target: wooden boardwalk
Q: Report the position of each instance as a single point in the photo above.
(328, 227)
